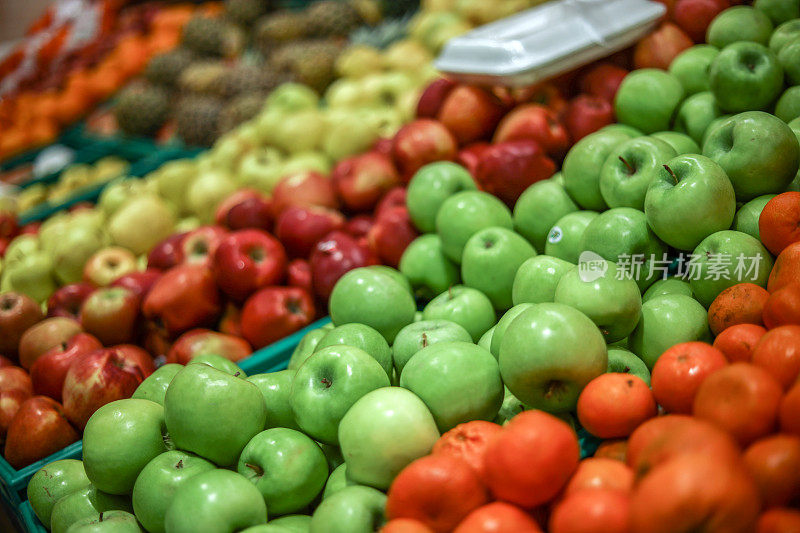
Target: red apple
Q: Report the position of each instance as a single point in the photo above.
(362, 180)
(383, 146)
(10, 402)
(108, 264)
(470, 156)
(4, 246)
(421, 142)
(200, 244)
(507, 169)
(95, 379)
(166, 254)
(138, 282)
(50, 370)
(275, 312)
(9, 225)
(394, 198)
(433, 97)
(137, 356)
(204, 341)
(156, 341)
(470, 113)
(534, 122)
(18, 312)
(299, 275)
(392, 233)
(111, 315)
(67, 300)
(15, 378)
(603, 80)
(248, 260)
(658, 49)
(31, 228)
(305, 189)
(5, 361)
(359, 226)
(43, 335)
(335, 255)
(184, 297)
(246, 208)
(694, 16)
(300, 228)
(546, 94)
(231, 321)
(587, 114)
(40, 428)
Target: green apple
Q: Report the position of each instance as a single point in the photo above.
(582, 165)
(207, 191)
(287, 468)
(609, 299)
(393, 273)
(382, 433)
(511, 407)
(328, 384)
(538, 208)
(305, 162)
(305, 347)
(52, 482)
(427, 268)
(778, 11)
(746, 218)
(337, 481)
(491, 258)
(120, 438)
(629, 168)
(788, 57)
(464, 214)
(22, 246)
(713, 125)
(71, 253)
(485, 341)
(31, 275)
(218, 500)
(293, 523)
(80, 504)
(696, 115)
(458, 381)
(363, 337)
(348, 134)
(302, 131)
(691, 66)
(108, 522)
(647, 99)
(154, 387)
(467, 307)
(666, 321)
(156, 485)
(680, 142)
(565, 239)
(536, 279)
(745, 76)
(414, 337)
(119, 191)
(549, 353)
(724, 259)
(146, 211)
(212, 413)
(783, 34)
(332, 454)
(290, 97)
(430, 187)
(622, 361)
(631, 132)
(689, 198)
(499, 330)
(788, 106)
(261, 168)
(672, 285)
(276, 387)
(372, 298)
(220, 363)
(739, 23)
(351, 510)
(172, 181)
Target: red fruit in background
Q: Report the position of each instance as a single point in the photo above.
(742, 303)
(200, 244)
(18, 312)
(359, 226)
(383, 146)
(778, 352)
(737, 342)
(246, 208)
(405, 525)
(204, 341)
(470, 113)
(546, 94)
(468, 442)
(298, 274)
(613, 405)
(421, 142)
(9, 226)
(532, 459)
(658, 49)
(783, 307)
(742, 399)
(111, 314)
(333, 256)
(774, 463)
(508, 168)
(603, 80)
(303, 189)
(108, 264)
(786, 269)
(600, 473)
(592, 511)
(98, 378)
(433, 97)
(394, 198)
(299, 228)
(139, 283)
(32, 228)
(275, 312)
(534, 122)
(498, 517)
(362, 180)
(44, 335)
(67, 300)
(470, 156)
(392, 233)
(680, 371)
(586, 114)
(438, 490)
(167, 254)
(183, 298)
(694, 16)
(231, 321)
(248, 260)
(10, 402)
(779, 520)
(15, 378)
(39, 428)
(50, 370)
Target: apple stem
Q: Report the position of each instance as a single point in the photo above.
(671, 173)
(424, 340)
(179, 464)
(255, 468)
(100, 518)
(450, 292)
(630, 167)
(326, 382)
(236, 375)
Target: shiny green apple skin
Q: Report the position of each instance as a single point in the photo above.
(84, 503)
(220, 363)
(745, 76)
(305, 347)
(787, 108)
(666, 321)
(53, 481)
(351, 510)
(382, 433)
(548, 354)
(739, 23)
(691, 66)
(536, 279)
(464, 214)
(467, 307)
(696, 115)
(778, 11)
(276, 387)
(647, 100)
(337, 481)
(538, 208)
(629, 169)
(108, 522)
(154, 387)
(625, 361)
(680, 142)
(218, 500)
(427, 268)
(458, 381)
(746, 218)
(502, 325)
(671, 285)
(565, 240)
(363, 337)
(328, 384)
(414, 337)
(293, 523)
(393, 273)
(485, 341)
(430, 187)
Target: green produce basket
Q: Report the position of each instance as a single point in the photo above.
(30, 523)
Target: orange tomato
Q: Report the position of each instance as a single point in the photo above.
(498, 517)
(468, 441)
(783, 306)
(600, 473)
(742, 303)
(613, 405)
(778, 352)
(786, 269)
(779, 520)
(737, 342)
(679, 372)
(592, 511)
(774, 463)
(779, 223)
(790, 411)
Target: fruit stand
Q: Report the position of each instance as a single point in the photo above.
(345, 266)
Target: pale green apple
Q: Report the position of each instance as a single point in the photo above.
(464, 214)
(746, 218)
(418, 335)
(430, 187)
(52, 482)
(276, 387)
(647, 99)
(31, 275)
(261, 168)
(305, 347)
(499, 330)
(393, 273)
(538, 208)
(207, 191)
(154, 387)
(622, 361)
(691, 66)
(310, 161)
(536, 279)
(108, 522)
(739, 23)
(485, 341)
(696, 115)
(337, 481)
(348, 134)
(671, 285)
(351, 510)
(220, 363)
(117, 192)
(682, 143)
(87, 502)
(172, 181)
(126, 226)
(427, 268)
(363, 337)
(467, 307)
(301, 131)
(565, 239)
(289, 97)
(629, 169)
(293, 523)
(72, 251)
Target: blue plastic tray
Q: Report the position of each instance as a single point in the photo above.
(29, 520)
